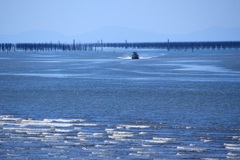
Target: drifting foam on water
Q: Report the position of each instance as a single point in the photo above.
(62, 130)
(206, 140)
(120, 135)
(9, 118)
(86, 124)
(110, 142)
(98, 134)
(236, 137)
(42, 123)
(6, 116)
(109, 130)
(180, 154)
(231, 154)
(64, 120)
(147, 145)
(191, 149)
(232, 146)
(160, 140)
(134, 126)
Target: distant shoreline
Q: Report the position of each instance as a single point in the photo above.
(6, 47)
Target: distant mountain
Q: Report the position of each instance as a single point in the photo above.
(215, 34)
(35, 36)
(120, 34)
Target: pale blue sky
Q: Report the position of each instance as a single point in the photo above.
(73, 17)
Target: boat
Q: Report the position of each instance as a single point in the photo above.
(135, 55)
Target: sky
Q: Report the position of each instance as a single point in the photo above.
(72, 17)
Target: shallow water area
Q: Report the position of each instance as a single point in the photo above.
(103, 105)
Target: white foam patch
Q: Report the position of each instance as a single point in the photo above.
(110, 142)
(160, 140)
(43, 123)
(134, 154)
(127, 57)
(191, 149)
(236, 137)
(134, 126)
(148, 57)
(11, 119)
(120, 135)
(98, 134)
(232, 146)
(62, 130)
(86, 124)
(60, 147)
(64, 120)
(136, 149)
(109, 130)
(146, 153)
(231, 154)
(147, 145)
(206, 140)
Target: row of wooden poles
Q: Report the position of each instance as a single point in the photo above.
(135, 45)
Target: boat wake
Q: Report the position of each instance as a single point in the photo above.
(129, 57)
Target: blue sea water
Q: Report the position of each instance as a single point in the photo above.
(103, 105)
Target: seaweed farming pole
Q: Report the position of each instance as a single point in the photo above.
(6, 47)
(177, 45)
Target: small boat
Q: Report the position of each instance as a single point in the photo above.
(135, 55)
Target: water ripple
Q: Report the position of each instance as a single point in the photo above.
(74, 138)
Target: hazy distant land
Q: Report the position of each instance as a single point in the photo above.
(120, 34)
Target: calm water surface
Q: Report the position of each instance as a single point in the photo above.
(103, 105)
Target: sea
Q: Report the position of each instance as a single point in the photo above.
(78, 105)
